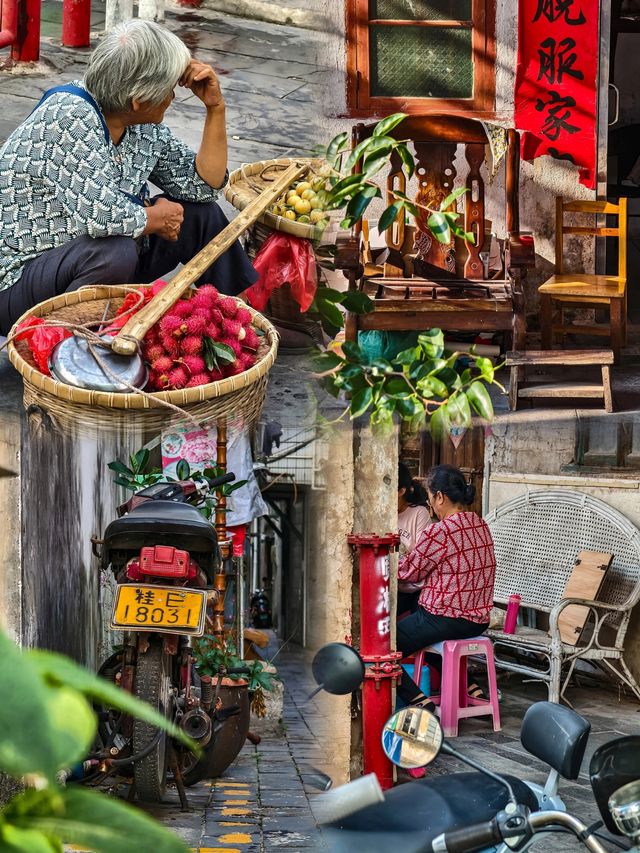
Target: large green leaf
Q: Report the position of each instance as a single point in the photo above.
(480, 400)
(120, 468)
(389, 215)
(140, 460)
(336, 145)
(15, 840)
(352, 350)
(331, 313)
(358, 302)
(387, 124)
(440, 424)
(432, 343)
(90, 819)
(361, 401)
(454, 196)
(407, 159)
(459, 411)
(439, 227)
(356, 154)
(326, 361)
(58, 670)
(485, 366)
(361, 201)
(37, 744)
(183, 470)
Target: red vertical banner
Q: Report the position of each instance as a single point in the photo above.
(556, 81)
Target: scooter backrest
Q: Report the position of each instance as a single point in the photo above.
(556, 735)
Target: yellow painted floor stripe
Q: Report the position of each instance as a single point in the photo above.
(220, 850)
(236, 802)
(236, 838)
(235, 812)
(233, 823)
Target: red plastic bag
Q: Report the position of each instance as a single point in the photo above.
(284, 259)
(41, 339)
(133, 300)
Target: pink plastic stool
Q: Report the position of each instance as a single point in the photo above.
(454, 700)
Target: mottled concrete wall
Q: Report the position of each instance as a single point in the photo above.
(540, 181)
(10, 504)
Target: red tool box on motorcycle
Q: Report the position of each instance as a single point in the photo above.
(164, 561)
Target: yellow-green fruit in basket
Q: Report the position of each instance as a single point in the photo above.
(316, 216)
(292, 200)
(302, 186)
(291, 192)
(308, 194)
(289, 214)
(302, 206)
(304, 219)
(316, 203)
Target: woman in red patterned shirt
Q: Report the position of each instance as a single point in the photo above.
(454, 561)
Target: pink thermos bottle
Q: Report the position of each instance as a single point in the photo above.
(511, 618)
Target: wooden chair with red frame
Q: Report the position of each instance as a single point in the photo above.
(439, 295)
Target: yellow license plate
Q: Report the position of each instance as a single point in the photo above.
(160, 608)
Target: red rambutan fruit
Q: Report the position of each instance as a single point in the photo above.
(251, 341)
(247, 360)
(209, 293)
(196, 324)
(216, 375)
(171, 345)
(235, 345)
(243, 316)
(170, 324)
(162, 365)
(228, 306)
(183, 308)
(194, 364)
(153, 352)
(178, 377)
(216, 316)
(231, 329)
(198, 379)
(192, 345)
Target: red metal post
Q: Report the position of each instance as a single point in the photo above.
(76, 23)
(382, 667)
(9, 22)
(26, 45)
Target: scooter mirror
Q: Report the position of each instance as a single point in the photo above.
(338, 669)
(412, 738)
(624, 806)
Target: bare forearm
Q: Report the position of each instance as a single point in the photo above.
(211, 159)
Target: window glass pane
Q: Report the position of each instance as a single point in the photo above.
(421, 62)
(420, 10)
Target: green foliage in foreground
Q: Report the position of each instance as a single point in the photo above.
(47, 724)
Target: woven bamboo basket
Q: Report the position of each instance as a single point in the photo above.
(247, 182)
(237, 398)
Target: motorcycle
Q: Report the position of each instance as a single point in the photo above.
(483, 811)
(164, 554)
(260, 609)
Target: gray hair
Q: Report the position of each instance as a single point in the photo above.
(138, 59)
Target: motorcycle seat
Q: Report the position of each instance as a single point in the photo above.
(412, 815)
(163, 523)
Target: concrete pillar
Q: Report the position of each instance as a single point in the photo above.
(328, 597)
(151, 10)
(117, 12)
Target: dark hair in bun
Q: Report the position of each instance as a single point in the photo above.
(451, 482)
(414, 492)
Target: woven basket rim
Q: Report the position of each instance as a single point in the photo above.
(120, 401)
(241, 199)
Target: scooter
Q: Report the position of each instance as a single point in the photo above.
(260, 609)
(483, 811)
(164, 554)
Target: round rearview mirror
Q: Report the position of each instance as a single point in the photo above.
(338, 669)
(412, 738)
(624, 805)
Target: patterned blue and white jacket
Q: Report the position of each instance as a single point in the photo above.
(61, 179)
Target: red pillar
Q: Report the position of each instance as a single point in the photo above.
(26, 46)
(76, 23)
(382, 667)
(9, 22)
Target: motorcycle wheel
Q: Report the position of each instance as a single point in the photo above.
(152, 685)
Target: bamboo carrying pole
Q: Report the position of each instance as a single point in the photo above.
(130, 336)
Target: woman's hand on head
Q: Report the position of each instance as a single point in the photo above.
(203, 82)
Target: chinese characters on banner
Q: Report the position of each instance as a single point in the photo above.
(555, 92)
(382, 608)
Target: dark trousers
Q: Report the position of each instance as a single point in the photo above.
(407, 602)
(423, 629)
(116, 260)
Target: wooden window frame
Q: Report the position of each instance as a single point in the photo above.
(361, 104)
(603, 466)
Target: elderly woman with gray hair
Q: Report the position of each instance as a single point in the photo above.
(76, 207)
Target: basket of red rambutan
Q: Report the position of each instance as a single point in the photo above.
(207, 357)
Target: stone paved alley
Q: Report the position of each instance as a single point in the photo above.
(262, 802)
